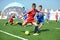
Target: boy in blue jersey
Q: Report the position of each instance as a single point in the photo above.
(24, 12)
(25, 17)
(48, 16)
(40, 17)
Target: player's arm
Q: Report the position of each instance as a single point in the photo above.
(37, 14)
(44, 12)
(37, 11)
(23, 15)
(26, 13)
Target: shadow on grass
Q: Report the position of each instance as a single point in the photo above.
(43, 30)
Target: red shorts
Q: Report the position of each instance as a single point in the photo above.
(11, 21)
(30, 20)
(56, 18)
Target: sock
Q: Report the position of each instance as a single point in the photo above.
(11, 24)
(6, 23)
(36, 29)
(19, 23)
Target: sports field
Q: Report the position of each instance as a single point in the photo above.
(49, 31)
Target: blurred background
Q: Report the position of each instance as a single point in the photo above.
(15, 6)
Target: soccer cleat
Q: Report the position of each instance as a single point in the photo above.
(35, 34)
(19, 23)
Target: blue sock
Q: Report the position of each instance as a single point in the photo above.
(36, 29)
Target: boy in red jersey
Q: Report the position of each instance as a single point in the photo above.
(56, 16)
(10, 20)
(30, 18)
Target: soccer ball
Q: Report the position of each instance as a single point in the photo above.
(27, 32)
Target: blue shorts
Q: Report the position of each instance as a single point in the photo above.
(48, 17)
(40, 21)
(24, 18)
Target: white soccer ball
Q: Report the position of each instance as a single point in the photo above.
(27, 32)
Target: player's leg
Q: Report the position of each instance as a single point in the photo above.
(12, 22)
(48, 19)
(6, 23)
(40, 22)
(24, 23)
(35, 29)
(56, 19)
(19, 23)
(40, 26)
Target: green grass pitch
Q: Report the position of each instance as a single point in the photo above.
(47, 32)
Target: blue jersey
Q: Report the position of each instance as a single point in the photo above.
(40, 18)
(24, 12)
(48, 15)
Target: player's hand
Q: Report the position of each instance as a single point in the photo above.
(19, 17)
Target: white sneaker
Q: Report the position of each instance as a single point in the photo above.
(47, 22)
(35, 34)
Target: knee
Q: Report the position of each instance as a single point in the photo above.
(36, 24)
(22, 24)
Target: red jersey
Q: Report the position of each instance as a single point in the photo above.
(31, 14)
(11, 19)
(56, 16)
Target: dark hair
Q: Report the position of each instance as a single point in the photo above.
(34, 4)
(24, 7)
(40, 6)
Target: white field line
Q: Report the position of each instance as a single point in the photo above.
(13, 35)
(58, 28)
